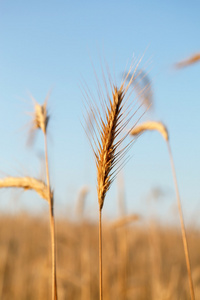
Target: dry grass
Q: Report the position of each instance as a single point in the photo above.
(153, 266)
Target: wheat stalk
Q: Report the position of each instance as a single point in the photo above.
(158, 126)
(40, 121)
(107, 137)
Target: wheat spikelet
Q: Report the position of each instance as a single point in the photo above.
(27, 183)
(151, 125)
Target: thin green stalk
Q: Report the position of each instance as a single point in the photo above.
(52, 227)
(184, 238)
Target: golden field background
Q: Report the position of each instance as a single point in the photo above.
(141, 260)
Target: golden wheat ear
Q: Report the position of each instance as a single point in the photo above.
(108, 133)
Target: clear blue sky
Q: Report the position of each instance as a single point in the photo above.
(51, 44)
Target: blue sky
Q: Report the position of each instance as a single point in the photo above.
(52, 45)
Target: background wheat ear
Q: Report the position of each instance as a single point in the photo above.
(41, 121)
(40, 116)
(161, 128)
(188, 61)
(80, 203)
(151, 125)
(111, 118)
(26, 183)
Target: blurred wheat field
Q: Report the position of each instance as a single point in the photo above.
(141, 262)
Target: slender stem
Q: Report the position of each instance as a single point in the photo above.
(184, 238)
(100, 258)
(52, 226)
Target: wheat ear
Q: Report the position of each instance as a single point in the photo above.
(158, 126)
(26, 183)
(106, 154)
